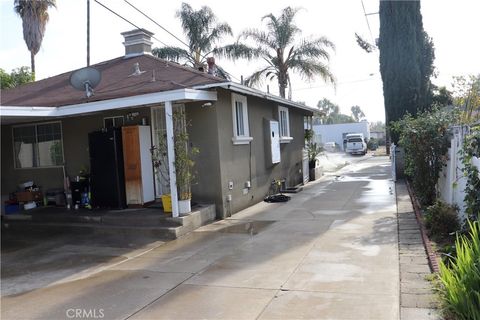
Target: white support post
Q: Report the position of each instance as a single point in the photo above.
(171, 157)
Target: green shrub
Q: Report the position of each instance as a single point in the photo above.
(441, 220)
(471, 148)
(426, 139)
(460, 289)
(372, 144)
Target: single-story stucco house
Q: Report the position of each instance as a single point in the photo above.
(45, 126)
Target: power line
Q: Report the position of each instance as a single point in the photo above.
(136, 26)
(170, 33)
(146, 16)
(340, 83)
(368, 23)
(126, 20)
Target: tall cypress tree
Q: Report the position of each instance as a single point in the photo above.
(406, 59)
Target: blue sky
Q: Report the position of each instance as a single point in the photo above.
(451, 24)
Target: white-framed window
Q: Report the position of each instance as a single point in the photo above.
(38, 145)
(284, 125)
(112, 122)
(241, 133)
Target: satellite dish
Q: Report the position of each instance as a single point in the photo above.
(85, 79)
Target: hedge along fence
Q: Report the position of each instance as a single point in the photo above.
(471, 163)
(425, 139)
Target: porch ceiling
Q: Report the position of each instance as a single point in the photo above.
(16, 114)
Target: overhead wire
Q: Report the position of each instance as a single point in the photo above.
(368, 23)
(126, 20)
(163, 28)
(136, 26)
(170, 33)
(340, 83)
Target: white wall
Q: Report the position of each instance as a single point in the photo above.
(452, 183)
(335, 132)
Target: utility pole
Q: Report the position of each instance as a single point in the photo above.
(88, 33)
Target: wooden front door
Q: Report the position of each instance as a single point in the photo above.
(132, 165)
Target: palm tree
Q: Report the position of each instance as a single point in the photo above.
(202, 31)
(278, 48)
(34, 14)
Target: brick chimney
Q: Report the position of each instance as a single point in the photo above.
(137, 42)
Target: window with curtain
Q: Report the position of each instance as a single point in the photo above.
(38, 145)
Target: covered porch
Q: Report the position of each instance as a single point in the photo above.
(67, 116)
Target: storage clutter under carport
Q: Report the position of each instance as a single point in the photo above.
(27, 196)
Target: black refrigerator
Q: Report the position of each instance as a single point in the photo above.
(107, 178)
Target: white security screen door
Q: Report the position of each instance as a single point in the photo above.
(159, 131)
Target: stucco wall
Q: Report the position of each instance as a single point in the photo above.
(203, 133)
(242, 163)
(218, 163)
(75, 145)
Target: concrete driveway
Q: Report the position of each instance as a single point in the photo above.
(329, 253)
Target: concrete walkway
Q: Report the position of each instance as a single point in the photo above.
(329, 253)
(417, 299)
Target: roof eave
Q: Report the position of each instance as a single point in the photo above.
(111, 104)
(254, 92)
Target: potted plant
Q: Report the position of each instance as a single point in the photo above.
(314, 150)
(184, 162)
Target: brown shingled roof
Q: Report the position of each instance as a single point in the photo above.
(116, 83)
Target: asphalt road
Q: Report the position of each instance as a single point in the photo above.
(329, 253)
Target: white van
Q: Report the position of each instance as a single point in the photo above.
(356, 144)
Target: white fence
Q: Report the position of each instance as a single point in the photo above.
(452, 182)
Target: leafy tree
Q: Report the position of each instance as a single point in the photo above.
(329, 113)
(406, 59)
(203, 31)
(278, 48)
(466, 92)
(441, 96)
(17, 77)
(377, 126)
(340, 118)
(327, 107)
(357, 113)
(34, 14)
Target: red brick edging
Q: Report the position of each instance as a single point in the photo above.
(432, 257)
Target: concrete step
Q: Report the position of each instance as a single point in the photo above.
(116, 220)
(124, 225)
(160, 232)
